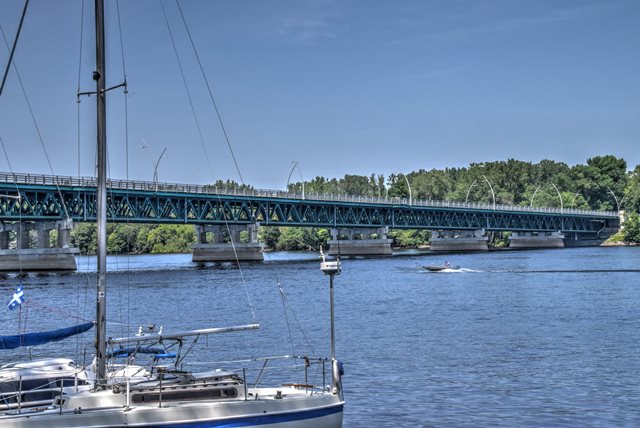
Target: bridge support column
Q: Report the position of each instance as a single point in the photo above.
(4, 240)
(221, 248)
(459, 240)
(530, 240)
(16, 253)
(360, 242)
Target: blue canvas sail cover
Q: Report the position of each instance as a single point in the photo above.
(33, 339)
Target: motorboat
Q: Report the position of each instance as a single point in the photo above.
(440, 268)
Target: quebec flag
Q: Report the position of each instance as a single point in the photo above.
(17, 299)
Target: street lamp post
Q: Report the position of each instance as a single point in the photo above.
(409, 186)
(618, 203)
(534, 195)
(559, 197)
(574, 199)
(493, 195)
(296, 165)
(561, 206)
(475, 182)
(469, 191)
(154, 162)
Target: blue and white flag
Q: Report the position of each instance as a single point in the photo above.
(17, 299)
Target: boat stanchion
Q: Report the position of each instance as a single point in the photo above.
(332, 269)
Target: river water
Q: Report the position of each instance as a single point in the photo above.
(528, 338)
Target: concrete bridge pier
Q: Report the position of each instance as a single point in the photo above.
(213, 244)
(360, 242)
(585, 239)
(27, 247)
(459, 240)
(529, 240)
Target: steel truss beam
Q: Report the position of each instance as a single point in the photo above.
(42, 202)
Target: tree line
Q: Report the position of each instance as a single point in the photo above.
(604, 183)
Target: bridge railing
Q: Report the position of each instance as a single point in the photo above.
(149, 186)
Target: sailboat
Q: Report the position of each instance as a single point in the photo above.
(172, 397)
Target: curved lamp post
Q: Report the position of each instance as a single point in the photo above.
(561, 206)
(534, 195)
(154, 162)
(574, 199)
(493, 195)
(409, 186)
(618, 203)
(557, 191)
(466, 199)
(296, 165)
(559, 197)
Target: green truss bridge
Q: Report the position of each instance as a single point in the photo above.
(33, 198)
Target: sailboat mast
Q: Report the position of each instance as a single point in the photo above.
(101, 173)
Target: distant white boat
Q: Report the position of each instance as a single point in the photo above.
(440, 268)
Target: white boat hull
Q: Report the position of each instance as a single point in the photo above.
(295, 410)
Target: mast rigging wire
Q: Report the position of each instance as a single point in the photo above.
(19, 202)
(79, 74)
(206, 81)
(226, 136)
(13, 48)
(126, 141)
(195, 117)
(35, 123)
(184, 81)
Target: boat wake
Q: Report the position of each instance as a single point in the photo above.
(452, 270)
(571, 271)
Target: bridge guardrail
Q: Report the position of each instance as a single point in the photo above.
(149, 186)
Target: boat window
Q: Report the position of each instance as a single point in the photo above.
(67, 381)
(8, 387)
(38, 384)
(38, 396)
(185, 394)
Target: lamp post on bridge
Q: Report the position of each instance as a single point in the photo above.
(534, 195)
(469, 190)
(493, 195)
(296, 165)
(557, 191)
(574, 199)
(154, 162)
(409, 186)
(561, 206)
(618, 203)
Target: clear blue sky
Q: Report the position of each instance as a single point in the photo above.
(343, 87)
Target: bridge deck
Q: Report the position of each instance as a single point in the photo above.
(46, 197)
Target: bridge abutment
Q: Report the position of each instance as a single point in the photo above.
(530, 240)
(213, 244)
(27, 247)
(459, 240)
(360, 242)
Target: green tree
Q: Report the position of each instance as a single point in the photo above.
(409, 238)
(269, 235)
(302, 238)
(84, 236)
(631, 201)
(599, 178)
(123, 238)
(171, 238)
(631, 232)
